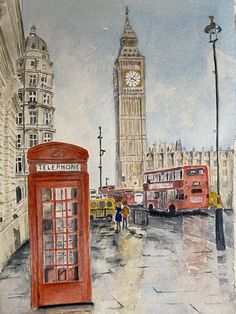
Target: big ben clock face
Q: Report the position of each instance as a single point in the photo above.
(132, 78)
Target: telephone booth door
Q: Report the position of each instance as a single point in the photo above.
(58, 212)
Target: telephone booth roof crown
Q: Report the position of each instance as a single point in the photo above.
(57, 150)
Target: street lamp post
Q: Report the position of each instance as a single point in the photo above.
(101, 153)
(213, 29)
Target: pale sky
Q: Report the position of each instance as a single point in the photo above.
(83, 41)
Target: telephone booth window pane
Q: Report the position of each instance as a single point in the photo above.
(73, 257)
(61, 257)
(72, 209)
(60, 209)
(73, 273)
(47, 194)
(49, 274)
(60, 225)
(72, 225)
(61, 241)
(60, 194)
(47, 226)
(61, 274)
(47, 210)
(48, 257)
(71, 193)
(72, 241)
(48, 241)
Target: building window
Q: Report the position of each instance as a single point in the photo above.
(19, 164)
(32, 140)
(32, 63)
(33, 117)
(47, 117)
(18, 140)
(32, 81)
(33, 46)
(32, 96)
(44, 66)
(20, 94)
(19, 118)
(46, 98)
(19, 194)
(44, 79)
(47, 137)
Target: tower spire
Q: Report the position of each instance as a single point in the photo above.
(127, 11)
(128, 33)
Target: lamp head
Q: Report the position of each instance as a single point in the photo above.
(213, 29)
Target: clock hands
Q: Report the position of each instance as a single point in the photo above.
(134, 77)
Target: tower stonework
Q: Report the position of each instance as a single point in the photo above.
(130, 110)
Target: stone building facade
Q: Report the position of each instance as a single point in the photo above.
(171, 155)
(13, 217)
(130, 109)
(35, 121)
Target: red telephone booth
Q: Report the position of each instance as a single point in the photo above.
(59, 224)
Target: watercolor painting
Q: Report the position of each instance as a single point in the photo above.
(117, 156)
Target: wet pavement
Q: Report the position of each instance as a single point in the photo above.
(169, 266)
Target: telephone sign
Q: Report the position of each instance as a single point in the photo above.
(59, 224)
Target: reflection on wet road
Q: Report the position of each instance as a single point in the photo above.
(170, 266)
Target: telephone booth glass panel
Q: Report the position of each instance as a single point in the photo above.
(60, 234)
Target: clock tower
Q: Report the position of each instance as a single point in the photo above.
(130, 110)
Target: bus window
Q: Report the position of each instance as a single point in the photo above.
(181, 174)
(196, 191)
(150, 178)
(171, 195)
(181, 195)
(195, 171)
(156, 176)
(156, 195)
(177, 175)
(176, 194)
(171, 176)
(163, 177)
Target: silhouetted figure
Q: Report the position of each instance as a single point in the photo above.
(118, 217)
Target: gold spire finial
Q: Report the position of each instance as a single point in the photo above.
(212, 18)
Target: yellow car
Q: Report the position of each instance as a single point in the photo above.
(102, 208)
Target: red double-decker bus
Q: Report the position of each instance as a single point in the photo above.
(176, 189)
(120, 195)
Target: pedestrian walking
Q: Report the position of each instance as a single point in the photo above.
(125, 215)
(118, 216)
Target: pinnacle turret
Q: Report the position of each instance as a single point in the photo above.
(128, 31)
(128, 41)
